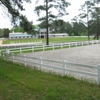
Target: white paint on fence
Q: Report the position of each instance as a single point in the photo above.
(51, 46)
(41, 62)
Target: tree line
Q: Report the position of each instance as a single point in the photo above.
(57, 26)
(4, 33)
(91, 12)
(52, 22)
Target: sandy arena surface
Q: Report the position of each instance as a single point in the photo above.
(89, 55)
(83, 55)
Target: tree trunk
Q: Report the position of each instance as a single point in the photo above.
(88, 23)
(47, 34)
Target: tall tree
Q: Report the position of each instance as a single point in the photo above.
(95, 22)
(6, 33)
(1, 32)
(27, 26)
(16, 29)
(58, 26)
(87, 9)
(59, 5)
(96, 18)
(68, 27)
(13, 7)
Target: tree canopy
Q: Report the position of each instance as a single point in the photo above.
(92, 12)
(13, 7)
(59, 5)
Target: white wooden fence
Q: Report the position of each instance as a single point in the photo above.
(42, 63)
(48, 47)
(27, 42)
(20, 44)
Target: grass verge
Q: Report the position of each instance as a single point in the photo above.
(23, 83)
(51, 40)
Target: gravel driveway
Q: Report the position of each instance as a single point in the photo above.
(89, 55)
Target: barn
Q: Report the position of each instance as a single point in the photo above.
(19, 35)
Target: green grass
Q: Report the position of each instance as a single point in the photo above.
(23, 83)
(68, 39)
(51, 40)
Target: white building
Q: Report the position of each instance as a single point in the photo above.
(21, 35)
(58, 35)
(42, 34)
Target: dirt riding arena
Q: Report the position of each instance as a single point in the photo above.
(89, 55)
(83, 55)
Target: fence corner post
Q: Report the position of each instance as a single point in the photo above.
(40, 62)
(64, 67)
(99, 74)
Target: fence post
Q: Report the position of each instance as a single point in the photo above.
(40, 62)
(25, 60)
(43, 47)
(64, 67)
(53, 46)
(32, 48)
(7, 51)
(92, 42)
(98, 74)
(76, 44)
(61, 46)
(20, 50)
(82, 43)
(97, 41)
(69, 45)
(3, 56)
(12, 57)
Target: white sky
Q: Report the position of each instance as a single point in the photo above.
(72, 10)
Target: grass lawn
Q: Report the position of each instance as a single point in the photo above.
(51, 40)
(23, 83)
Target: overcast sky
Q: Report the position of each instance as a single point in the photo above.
(72, 10)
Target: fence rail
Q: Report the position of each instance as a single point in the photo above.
(48, 47)
(42, 63)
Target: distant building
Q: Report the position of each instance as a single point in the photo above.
(21, 35)
(42, 34)
(58, 35)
